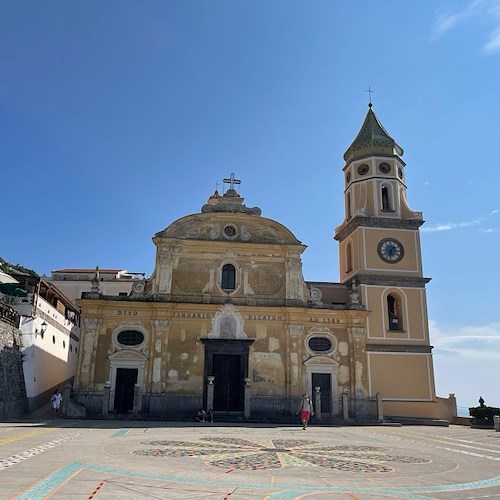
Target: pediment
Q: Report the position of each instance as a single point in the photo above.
(128, 354)
(321, 360)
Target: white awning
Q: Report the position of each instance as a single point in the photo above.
(7, 278)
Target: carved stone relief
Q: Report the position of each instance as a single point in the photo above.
(316, 295)
(227, 324)
(294, 330)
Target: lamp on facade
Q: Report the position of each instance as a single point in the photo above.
(43, 327)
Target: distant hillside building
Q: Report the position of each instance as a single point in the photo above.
(72, 282)
(226, 321)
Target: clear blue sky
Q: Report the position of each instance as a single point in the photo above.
(118, 117)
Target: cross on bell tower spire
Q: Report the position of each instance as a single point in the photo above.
(370, 92)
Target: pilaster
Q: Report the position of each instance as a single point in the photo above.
(158, 348)
(295, 333)
(91, 327)
(357, 360)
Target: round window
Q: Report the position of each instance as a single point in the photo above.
(320, 344)
(363, 169)
(230, 231)
(385, 168)
(130, 337)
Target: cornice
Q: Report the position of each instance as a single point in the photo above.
(399, 281)
(379, 223)
(417, 349)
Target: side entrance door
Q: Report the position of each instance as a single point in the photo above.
(126, 378)
(324, 381)
(228, 383)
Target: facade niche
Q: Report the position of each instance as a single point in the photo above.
(348, 258)
(387, 198)
(394, 310)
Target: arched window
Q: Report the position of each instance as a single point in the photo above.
(348, 205)
(394, 310)
(348, 258)
(386, 198)
(228, 277)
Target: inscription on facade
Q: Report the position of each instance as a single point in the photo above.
(191, 315)
(127, 313)
(324, 320)
(250, 317)
(265, 317)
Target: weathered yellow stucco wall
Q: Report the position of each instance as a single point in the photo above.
(405, 376)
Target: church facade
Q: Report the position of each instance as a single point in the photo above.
(227, 321)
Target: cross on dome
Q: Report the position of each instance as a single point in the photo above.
(232, 181)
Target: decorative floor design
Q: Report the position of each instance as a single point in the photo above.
(50, 484)
(246, 455)
(32, 452)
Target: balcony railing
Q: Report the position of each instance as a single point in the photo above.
(9, 315)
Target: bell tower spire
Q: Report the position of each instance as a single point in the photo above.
(375, 174)
(380, 254)
(375, 205)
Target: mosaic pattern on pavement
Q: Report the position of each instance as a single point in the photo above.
(240, 454)
(53, 482)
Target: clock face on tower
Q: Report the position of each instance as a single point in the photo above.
(390, 250)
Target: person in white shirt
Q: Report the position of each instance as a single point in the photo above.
(56, 401)
(306, 410)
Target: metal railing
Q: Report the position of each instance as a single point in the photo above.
(9, 315)
(170, 406)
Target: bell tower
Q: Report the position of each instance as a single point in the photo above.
(380, 254)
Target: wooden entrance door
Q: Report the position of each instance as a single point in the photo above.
(324, 381)
(228, 383)
(126, 378)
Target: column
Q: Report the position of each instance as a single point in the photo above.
(345, 406)
(380, 408)
(105, 399)
(317, 402)
(137, 400)
(210, 393)
(247, 398)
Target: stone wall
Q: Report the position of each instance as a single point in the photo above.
(13, 401)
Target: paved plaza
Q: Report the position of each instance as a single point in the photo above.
(138, 459)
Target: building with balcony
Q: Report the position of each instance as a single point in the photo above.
(48, 331)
